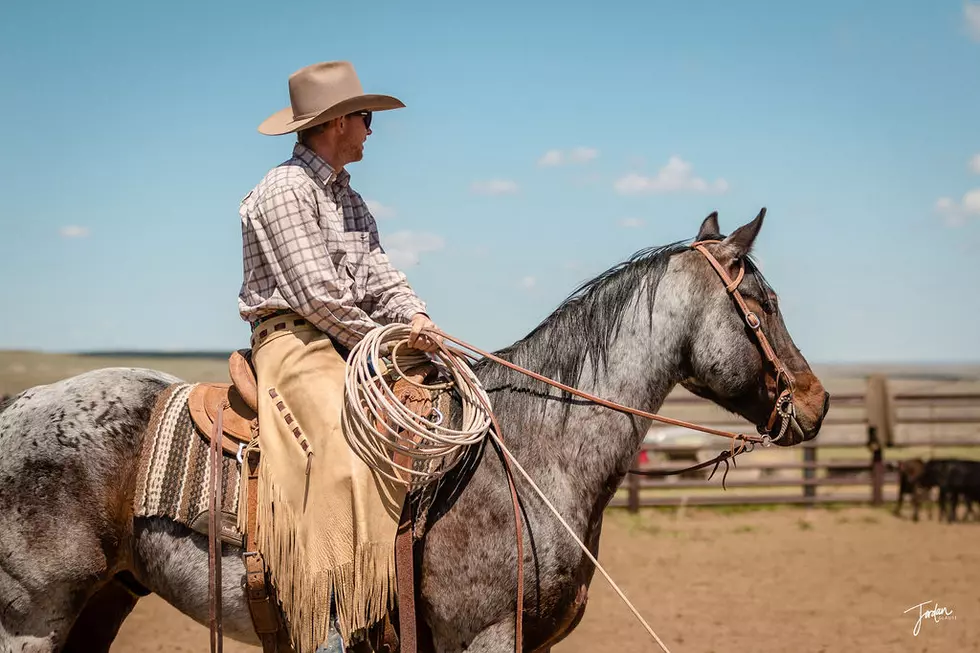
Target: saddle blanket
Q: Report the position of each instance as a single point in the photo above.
(174, 473)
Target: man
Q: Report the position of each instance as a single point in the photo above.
(316, 281)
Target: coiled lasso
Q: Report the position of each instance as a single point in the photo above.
(377, 425)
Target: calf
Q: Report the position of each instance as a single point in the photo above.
(962, 479)
(953, 477)
(908, 471)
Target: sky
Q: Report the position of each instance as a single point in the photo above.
(540, 145)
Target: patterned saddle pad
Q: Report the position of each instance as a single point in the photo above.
(175, 473)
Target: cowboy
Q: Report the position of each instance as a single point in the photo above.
(316, 281)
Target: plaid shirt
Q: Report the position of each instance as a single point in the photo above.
(310, 245)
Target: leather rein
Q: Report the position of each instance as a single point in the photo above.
(783, 411)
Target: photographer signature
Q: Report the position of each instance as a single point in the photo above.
(937, 614)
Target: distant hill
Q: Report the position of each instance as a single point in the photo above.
(157, 354)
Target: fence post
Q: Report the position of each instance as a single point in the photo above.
(880, 425)
(633, 487)
(877, 476)
(809, 473)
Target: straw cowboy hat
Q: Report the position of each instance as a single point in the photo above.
(322, 92)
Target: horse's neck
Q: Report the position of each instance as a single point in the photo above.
(581, 449)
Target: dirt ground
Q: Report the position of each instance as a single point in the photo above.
(786, 579)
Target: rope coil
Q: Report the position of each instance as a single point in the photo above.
(377, 425)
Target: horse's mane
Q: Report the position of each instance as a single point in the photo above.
(8, 401)
(590, 317)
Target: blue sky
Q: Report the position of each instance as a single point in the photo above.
(540, 145)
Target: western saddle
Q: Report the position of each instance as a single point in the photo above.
(226, 415)
(240, 401)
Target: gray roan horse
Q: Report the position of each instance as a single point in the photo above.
(73, 559)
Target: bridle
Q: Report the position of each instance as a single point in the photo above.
(783, 409)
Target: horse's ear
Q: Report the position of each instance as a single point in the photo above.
(709, 227)
(743, 237)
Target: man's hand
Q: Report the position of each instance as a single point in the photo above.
(419, 340)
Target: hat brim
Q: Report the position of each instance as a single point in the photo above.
(282, 122)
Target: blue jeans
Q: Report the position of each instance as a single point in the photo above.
(334, 643)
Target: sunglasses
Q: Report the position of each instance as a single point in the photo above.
(366, 115)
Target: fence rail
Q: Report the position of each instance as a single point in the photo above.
(829, 469)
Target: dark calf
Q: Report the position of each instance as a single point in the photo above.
(908, 470)
(962, 479)
(915, 478)
(953, 477)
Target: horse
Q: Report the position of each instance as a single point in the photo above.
(74, 560)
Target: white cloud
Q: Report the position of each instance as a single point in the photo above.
(582, 154)
(975, 163)
(956, 214)
(550, 158)
(574, 155)
(631, 223)
(73, 231)
(405, 248)
(971, 202)
(494, 187)
(676, 176)
(971, 12)
(527, 283)
(379, 210)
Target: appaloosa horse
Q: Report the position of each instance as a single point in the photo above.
(73, 560)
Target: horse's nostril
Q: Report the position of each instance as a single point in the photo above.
(826, 402)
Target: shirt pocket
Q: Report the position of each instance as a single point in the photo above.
(357, 246)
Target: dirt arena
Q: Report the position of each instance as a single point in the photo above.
(761, 581)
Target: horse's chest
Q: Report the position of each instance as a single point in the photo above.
(563, 617)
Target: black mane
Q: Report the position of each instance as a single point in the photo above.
(591, 316)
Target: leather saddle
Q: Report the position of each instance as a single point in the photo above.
(239, 419)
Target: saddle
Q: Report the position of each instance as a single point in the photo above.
(239, 419)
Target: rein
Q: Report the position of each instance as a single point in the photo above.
(783, 410)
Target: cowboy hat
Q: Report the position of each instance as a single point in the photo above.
(322, 92)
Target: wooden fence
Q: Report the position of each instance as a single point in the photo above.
(846, 463)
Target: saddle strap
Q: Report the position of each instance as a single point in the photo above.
(265, 618)
(214, 535)
(420, 402)
(405, 577)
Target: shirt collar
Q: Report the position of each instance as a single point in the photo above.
(320, 168)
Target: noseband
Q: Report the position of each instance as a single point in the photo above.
(784, 409)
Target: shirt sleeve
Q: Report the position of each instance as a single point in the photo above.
(393, 298)
(395, 301)
(305, 276)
